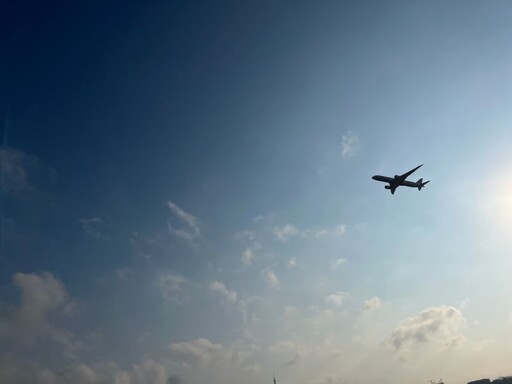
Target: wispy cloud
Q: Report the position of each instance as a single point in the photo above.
(372, 304)
(350, 144)
(292, 263)
(18, 168)
(124, 273)
(248, 256)
(338, 263)
(190, 231)
(337, 299)
(271, 278)
(219, 287)
(292, 352)
(13, 174)
(287, 231)
(338, 230)
(198, 352)
(173, 287)
(94, 227)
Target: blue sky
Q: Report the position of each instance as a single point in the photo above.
(186, 192)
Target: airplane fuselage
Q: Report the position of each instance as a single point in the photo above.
(395, 182)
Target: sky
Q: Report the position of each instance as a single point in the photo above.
(186, 192)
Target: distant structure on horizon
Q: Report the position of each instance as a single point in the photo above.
(499, 380)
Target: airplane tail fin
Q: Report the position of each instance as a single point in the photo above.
(421, 184)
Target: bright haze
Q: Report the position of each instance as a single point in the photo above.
(186, 191)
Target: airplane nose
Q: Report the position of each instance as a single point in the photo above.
(374, 177)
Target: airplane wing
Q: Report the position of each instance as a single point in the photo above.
(407, 174)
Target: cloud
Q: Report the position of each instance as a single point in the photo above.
(35, 324)
(124, 273)
(338, 263)
(292, 352)
(287, 231)
(41, 296)
(248, 256)
(19, 171)
(149, 371)
(271, 278)
(372, 304)
(337, 299)
(219, 287)
(338, 230)
(174, 287)
(350, 144)
(441, 323)
(94, 227)
(197, 353)
(17, 370)
(292, 263)
(191, 229)
(13, 175)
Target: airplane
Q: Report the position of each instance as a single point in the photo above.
(398, 180)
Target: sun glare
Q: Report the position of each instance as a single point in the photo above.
(497, 202)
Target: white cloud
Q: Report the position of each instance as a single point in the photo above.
(292, 263)
(191, 229)
(304, 345)
(443, 323)
(248, 256)
(337, 299)
(94, 227)
(34, 325)
(219, 287)
(17, 370)
(149, 371)
(285, 232)
(350, 144)
(372, 304)
(338, 230)
(271, 278)
(196, 353)
(173, 287)
(338, 263)
(41, 296)
(185, 216)
(41, 293)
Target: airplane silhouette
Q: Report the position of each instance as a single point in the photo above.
(398, 180)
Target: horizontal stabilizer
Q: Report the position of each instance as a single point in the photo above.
(421, 184)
